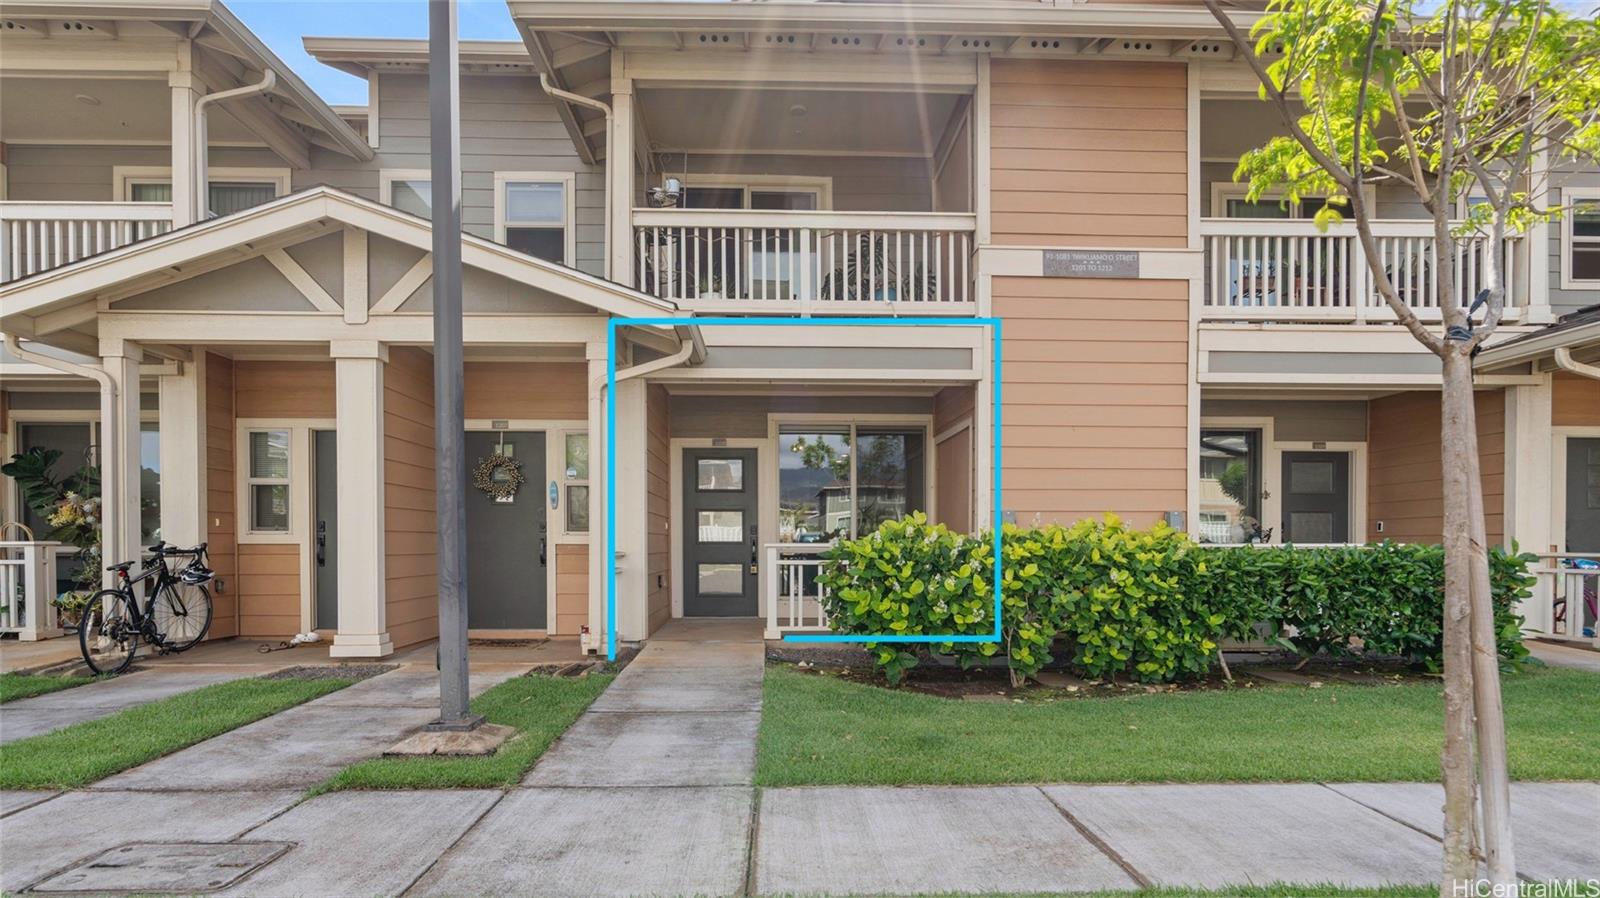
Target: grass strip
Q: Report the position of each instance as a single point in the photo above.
(1275, 890)
(539, 707)
(820, 730)
(14, 686)
(95, 749)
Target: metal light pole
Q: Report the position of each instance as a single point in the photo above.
(449, 454)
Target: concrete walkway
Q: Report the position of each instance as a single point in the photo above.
(54, 710)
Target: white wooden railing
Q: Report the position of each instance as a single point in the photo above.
(1272, 269)
(794, 597)
(35, 237)
(810, 263)
(1566, 598)
(28, 589)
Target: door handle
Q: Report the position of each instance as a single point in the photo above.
(541, 551)
(322, 544)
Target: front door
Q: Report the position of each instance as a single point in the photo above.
(1316, 497)
(720, 531)
(508, 548)
(325, 541)
(1583, 494)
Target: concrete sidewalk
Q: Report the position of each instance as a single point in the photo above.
(54, 710)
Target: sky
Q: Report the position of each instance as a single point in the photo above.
(282, 23)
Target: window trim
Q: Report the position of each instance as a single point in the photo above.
(123, 177)
(569, 222)
(568, 482)
(1569, 241)
(1222, 191)
(300, 478)
(387, 177)
(252, 480)
(777, 422)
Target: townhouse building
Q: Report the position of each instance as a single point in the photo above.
(218, 286)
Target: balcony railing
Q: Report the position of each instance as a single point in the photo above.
(1270, 269)
(28, 589)
(36, 237)
(808, 263)
(794, 597)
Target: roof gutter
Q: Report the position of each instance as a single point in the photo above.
(1566, 362)
(603, 109)
(202, 188)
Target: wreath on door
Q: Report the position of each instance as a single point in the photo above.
(500, 476)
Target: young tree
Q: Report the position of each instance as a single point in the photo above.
(1446, 99)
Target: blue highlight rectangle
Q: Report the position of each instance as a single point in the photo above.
(994, 324)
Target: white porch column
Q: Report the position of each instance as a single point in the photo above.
(983, 497)
(119, 452)
(619, 169)
(358, 405)
(1529, 481)
(633, 521)
(183, 452)
(596, 353)
(1534, 258)
(186, 204)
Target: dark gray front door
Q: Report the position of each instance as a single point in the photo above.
(325, 539)
(508, 548)
(1583, 494)
(1316, 497)
(719, 532)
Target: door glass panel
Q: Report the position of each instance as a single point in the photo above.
(813, 485)
(713, 197)
(1311, 526)
(149, 481)
(890, 475)
(1230, 485)
(720, 579)
(1311, 477)
(73, 441)
(1238, 207)
(719, 474)
(721, 526)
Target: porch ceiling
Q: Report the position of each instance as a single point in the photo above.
(804, 121)
(89, 110)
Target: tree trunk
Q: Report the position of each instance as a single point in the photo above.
(1458, 434)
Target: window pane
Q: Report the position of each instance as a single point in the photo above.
(713, 197)
(1586, 263)
(1267, 208)
(720, 579)
(72, 441)
(415, 197)
(226, 198)
(1586, 223)
(1230, 485)
(269, 507)
(889, 476)
(577, 509)
(149, 481)
(577, 456)
(721, 526)
(269, 454)
(783, 200)
(531, 202)
(549, 244)
(150, 193)
(719, 474)
(813, 485)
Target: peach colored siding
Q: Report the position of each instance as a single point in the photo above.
(527, 390)
(1575, 401)
(1089, 153)
(953, 458)
(284, 389)
(1096, 397)
(268, 589)
(1405, 485)
(658, 468)
(572, 588)
(410, 538)
(221, 529)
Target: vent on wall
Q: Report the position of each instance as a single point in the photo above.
(973, 45)
(1045, 44)
(717, 38)
(779, 40)
(18, 28)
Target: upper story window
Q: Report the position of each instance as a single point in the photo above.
(533, 213)
(230, 189)
(409, 190)
(1580, 239)
(1231, 201)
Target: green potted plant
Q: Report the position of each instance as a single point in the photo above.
(71, 506)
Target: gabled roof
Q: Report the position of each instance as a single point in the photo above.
(27, 304)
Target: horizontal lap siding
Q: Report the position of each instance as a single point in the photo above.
(1095, 414)
(410, 529)
(1405, 480)
(1089, 153)
(221, 529)
(284, 390)
(658, 476)
(530, 391)
(1575, 401)
(268, 589)
(572, 588)
(953, 457)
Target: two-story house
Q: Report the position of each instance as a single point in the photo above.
(195, 242)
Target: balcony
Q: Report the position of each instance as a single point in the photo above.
(747, 262)
(36, 237)
(1288, 270)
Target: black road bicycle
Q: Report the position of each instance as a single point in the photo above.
(175, 616)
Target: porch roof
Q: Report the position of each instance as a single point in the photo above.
(1575, 338)
(62, 301)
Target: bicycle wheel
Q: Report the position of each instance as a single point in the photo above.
(182, 613)
(107, 635)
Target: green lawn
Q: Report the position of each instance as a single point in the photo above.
(1278, 890)
(819, 730)
(539, 707)
(14, 685)
(93, 750)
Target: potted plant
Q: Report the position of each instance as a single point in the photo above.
(71, 505)
(868, 272)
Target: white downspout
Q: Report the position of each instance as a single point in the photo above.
(110, 515)
(581, 100)
(202, 181)
(1566, 362)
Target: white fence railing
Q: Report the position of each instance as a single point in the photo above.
(36, 237)
(1566, 598)
(28, 589)
(811, 263)
(1287, 270)
(794, 597)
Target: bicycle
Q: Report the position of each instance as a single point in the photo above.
(175, 617)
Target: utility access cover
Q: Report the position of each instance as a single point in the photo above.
(182, 868)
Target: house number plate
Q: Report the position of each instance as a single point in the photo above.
(1078, 263)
